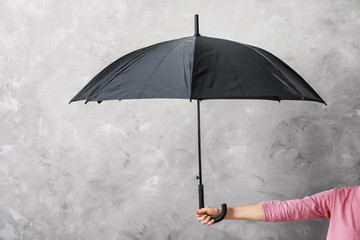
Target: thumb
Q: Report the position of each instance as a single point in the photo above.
(201, 211)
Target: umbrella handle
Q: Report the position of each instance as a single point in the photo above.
(201, 204)
(222, 214)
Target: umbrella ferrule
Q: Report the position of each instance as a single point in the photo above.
(196, 25)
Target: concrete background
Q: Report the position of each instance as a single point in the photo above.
(127, 170)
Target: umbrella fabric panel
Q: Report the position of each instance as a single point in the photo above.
(225, 69)
(162, 70)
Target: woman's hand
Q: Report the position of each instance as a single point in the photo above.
(253, 212)
(205, 214)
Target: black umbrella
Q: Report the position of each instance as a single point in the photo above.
(198, 68)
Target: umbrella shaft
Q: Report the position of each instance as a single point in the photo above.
(200, 186)
(199, 141)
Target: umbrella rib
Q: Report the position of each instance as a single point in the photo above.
(152, 73)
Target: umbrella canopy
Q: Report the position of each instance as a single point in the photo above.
(198, 68)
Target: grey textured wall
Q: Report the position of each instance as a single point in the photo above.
(127, 170)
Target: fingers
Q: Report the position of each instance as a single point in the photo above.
(212, 221)
(204, 217)
(206, 220)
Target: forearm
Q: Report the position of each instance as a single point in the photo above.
(251, 212)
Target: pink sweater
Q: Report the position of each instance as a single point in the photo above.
(340, 206)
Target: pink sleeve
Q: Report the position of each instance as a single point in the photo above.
(316, 206)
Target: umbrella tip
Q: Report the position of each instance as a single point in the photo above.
(196, 22)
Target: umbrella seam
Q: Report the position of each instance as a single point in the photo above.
(193, 66)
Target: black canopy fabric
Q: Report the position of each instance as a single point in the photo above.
(199, 68)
